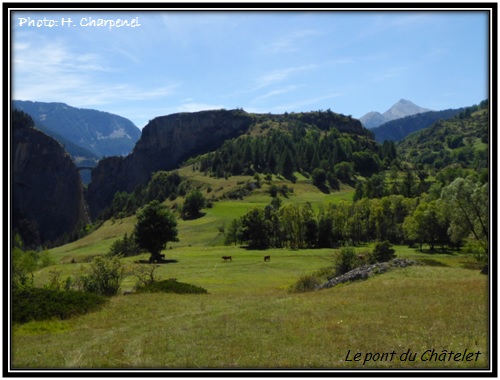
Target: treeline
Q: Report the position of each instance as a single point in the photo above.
(303, 149)
(446, 218)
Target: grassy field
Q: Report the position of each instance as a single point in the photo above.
(251, 320)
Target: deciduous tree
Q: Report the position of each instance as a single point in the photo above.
(155, 227)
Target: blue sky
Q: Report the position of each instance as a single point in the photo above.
(261, 61)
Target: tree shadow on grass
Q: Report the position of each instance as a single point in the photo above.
(473, 265)
(194, 217)
(433, 263)
(170, 261)
(323, 188)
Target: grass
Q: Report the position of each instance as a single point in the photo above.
(250, 318)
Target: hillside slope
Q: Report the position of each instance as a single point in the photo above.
(462, 139)
(398, 129)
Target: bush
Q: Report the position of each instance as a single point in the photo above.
(382, 252)
(125, 247)
(474, 247)
(170, 286)
(39, 304)
(145, 274)
(104, 276)
(345, 261)
(306, 283)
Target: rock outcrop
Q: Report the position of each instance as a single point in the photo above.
(47, 192)
(165, 143)
(365, 271)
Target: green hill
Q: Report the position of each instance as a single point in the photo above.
(462, 140)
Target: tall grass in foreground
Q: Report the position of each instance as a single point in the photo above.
(250, 321)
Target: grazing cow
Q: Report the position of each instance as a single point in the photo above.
(225, 258)
(267, 258)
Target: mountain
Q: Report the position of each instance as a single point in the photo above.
(167, 141)
(100, 133)
(398, 110)
(47, 192)
(398, 129)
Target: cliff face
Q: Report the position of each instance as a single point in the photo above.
(47, 192)
(165, 143)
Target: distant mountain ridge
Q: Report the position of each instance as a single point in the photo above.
(396, 130)
(399, 110)
(101, 133)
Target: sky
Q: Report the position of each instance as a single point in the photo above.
(169, 61)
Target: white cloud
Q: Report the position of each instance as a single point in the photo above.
(53, 71)
(280, 75)
(287, 44)
(276, 92)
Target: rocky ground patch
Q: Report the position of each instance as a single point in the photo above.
(365, 271)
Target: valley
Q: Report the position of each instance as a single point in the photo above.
(308, 173)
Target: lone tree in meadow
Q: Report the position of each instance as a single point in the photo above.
(155, 227)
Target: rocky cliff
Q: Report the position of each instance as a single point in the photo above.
(47, 192)
(164, 144)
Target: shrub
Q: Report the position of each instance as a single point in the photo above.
(306, 283)
(145, 274)
(127, 246)
(170, 286)
(382, 252)
(104, 276)
(474, 247)
(39, 304)
(345, 261)
(24, 263)
(56, 283)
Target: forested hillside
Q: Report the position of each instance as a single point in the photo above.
(313, 144)
(398, 129)
(462, 140)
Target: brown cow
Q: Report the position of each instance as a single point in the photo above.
(225, 258)
(267, 258)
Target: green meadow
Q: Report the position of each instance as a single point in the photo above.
(250, 318)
